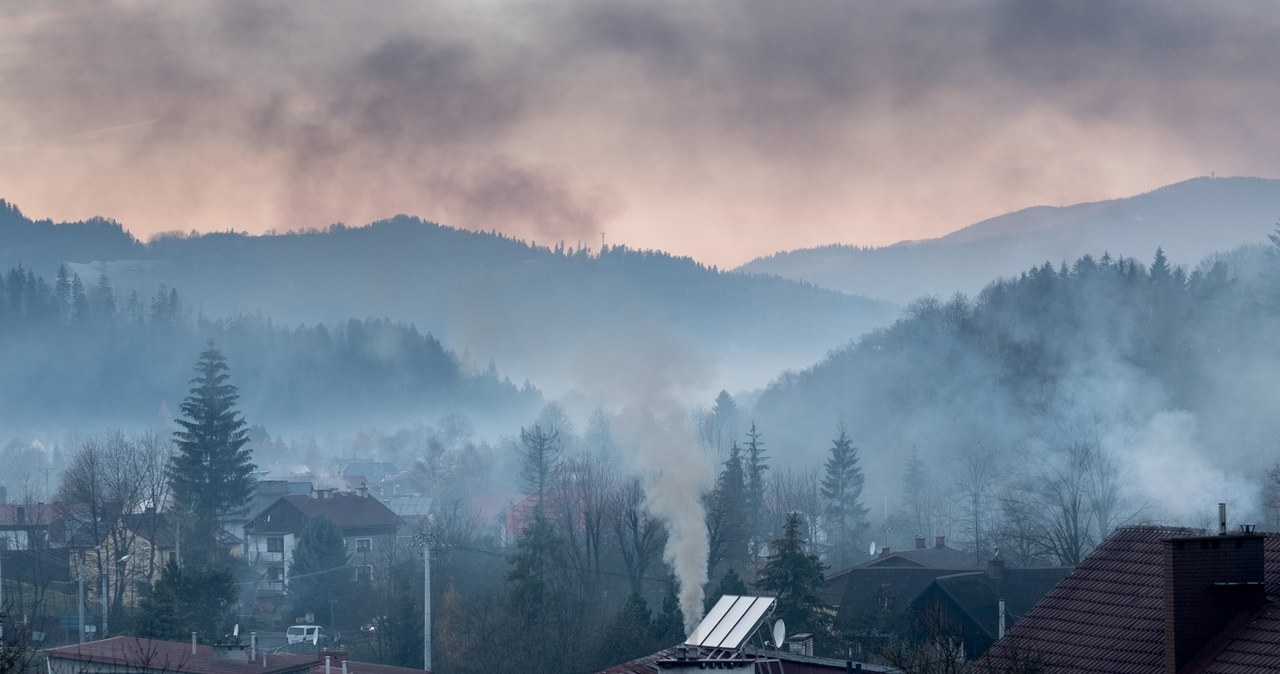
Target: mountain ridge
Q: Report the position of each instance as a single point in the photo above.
(1244, 209)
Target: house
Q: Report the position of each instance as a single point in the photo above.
(769, 662)
(730, 637)
(1157, 600)
(968, 606)
(367, 526)
(923, 557)
(336, 662)
(872, 600)
(39, 526)
(133, 655)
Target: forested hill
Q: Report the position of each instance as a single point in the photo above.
(83, 355)
(1170, 374)
(42, 245)
(560, 317)
(1190, 219)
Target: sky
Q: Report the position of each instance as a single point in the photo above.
(719, 130)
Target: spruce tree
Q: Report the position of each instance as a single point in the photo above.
(754, 466)
(210, 475)
(795, 578)
(846, 517)
(318, 569)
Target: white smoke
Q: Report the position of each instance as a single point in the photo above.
(675, 474)
(648, 375)
(1177, 474)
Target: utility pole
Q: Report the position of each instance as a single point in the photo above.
(426, 604)
(80, 578)
(104, 603)
(3, 545)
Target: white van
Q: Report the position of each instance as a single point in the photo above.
(297, 634)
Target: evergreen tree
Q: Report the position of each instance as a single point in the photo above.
(668, 625)
(630, 634)
(186, 599)
(79, 302)
(1160, 271)
(795, 578)
(62, 291)
(103, 301)
(210, 475)
(755, 465)
(534, 571)
(730, 583)
(318, 570)
(727, 521)
(846, 517)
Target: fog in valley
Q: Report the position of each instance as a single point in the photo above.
(503, 338)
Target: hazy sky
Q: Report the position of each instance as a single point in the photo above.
(721, 130)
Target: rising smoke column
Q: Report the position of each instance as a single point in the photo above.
(675, 474)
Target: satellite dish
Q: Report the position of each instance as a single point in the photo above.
(779, 633)
(872, 551)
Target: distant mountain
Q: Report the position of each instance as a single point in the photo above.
(1189, 220)
(561, 318)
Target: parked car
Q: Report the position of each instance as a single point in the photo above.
(305, 633)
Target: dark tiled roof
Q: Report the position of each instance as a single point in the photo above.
(1108, 615)
(978, 595)
(174, 656)
(791, 662)
(347, 511)
(166, 533)
(929, 558)
(862, 595)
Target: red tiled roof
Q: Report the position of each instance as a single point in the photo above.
(174, 656)
(1108, 615)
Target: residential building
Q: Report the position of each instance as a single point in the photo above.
(975, 608)
(134, 655)
(939, 556)
(367, 526)
(1156, 600)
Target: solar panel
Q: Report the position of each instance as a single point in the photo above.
(730, 622)
(709, 622)
(749, 622)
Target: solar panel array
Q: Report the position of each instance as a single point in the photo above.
(730, 622)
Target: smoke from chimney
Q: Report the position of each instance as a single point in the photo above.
(675, 474)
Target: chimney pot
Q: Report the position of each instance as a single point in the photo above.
(939, 541)
(1222, 519)
(919, 542)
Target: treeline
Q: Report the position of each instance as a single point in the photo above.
(1056, 405)
(587, 585)
(83, 353)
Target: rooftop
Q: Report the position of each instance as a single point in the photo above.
(1109, 615)
(154, 655)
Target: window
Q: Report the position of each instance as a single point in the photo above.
(364, 544)
(275, 573)
(364, 572)
(275, 544)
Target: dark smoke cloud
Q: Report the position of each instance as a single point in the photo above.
(724, 130)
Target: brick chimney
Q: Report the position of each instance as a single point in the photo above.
(995, 568)
(919, 542)
(1212, 585)
(939, 541)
